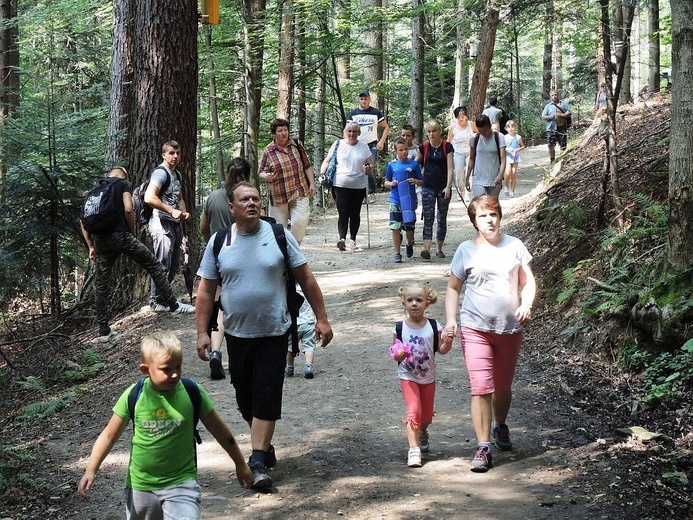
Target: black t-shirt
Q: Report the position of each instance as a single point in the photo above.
(119, 187)
(435, 166)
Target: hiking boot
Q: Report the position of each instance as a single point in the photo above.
(261, 480)
(158, 307)
(308, 371)
(482, 460)
(425, 254)
(398, 258)
(106, 335)
(414, 457)
(216, 366)
(182, 308)
(423, 441)
(289, 370)
(502, 435)
(341, 244)
(410, 250)
(440, 254)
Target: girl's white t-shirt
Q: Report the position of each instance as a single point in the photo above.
(421, 365)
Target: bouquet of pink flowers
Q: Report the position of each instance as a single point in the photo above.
(398, 350)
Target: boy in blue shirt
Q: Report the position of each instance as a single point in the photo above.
(402, 177)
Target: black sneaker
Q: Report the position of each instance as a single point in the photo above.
(410, 250)
(502, 435)
(271, 457)
(216, 365)
(481, 461)
(261, 480)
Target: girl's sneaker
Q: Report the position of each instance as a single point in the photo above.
(414, 458)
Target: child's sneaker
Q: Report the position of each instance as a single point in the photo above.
(398, 258)
(289, 370)
(507, 191)
(410, 250)
(308, 371)
(423, 441)
(215, 365)
(481, 461)
(502, 435)
(414, 458)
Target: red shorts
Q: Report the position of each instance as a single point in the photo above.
(490, 358)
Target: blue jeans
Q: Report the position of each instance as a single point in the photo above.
(429, 199)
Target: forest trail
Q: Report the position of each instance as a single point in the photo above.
(341, 443)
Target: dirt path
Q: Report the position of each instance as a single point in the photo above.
(341, 443)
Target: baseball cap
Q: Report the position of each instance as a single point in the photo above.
(364, 92)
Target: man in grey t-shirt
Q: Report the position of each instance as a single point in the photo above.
(250, 268)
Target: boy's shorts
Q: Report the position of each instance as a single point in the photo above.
(396, 219)
(181, 501)
(306, 335)
(256, 366)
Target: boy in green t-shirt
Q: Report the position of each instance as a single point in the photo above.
(162, 473)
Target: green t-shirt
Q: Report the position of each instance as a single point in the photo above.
(162, 452)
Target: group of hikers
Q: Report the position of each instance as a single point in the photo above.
(259, 257)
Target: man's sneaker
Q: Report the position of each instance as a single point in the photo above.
(159, 307)
(183, 308)
(106, 336)
(341, 244)
(440, 254)
(261, 480)
(482, 460)
(289, 370)
(308, 371)
(414, 458)
(425, 254)
(502, 435)
(216, 365)
(410, 250)
(423, 441)
(398, 258)
(271, 457)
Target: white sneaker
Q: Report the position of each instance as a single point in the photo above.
(414, 458)
(507, 192)
(353, 248)
(159, 307)
(512, 193)
(183, 308)
(111, 336)
(371, 198)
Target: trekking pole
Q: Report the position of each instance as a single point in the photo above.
(368, 221)
(324, 212)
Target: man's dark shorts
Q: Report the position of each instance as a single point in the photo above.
(256, 366)
(557, 136)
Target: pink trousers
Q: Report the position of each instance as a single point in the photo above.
(490, 358)
(418, 399)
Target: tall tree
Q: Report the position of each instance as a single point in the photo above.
(681, 153)
(417, 67)
(9, 58)
(254, 26)
(461, 61)
(286, 61)
(373, 67)
(653, 41)
(547, 56)
(484, 58)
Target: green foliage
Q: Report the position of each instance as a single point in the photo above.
(92, 365)
(43, 409)
(12, 461)
(670, 374)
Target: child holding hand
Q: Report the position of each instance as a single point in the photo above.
(416, 341)
(161, 480)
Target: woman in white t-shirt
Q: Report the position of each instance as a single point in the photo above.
(460, 132)
(354, 162)
(497, 304)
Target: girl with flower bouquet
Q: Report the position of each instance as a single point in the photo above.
(415, 343)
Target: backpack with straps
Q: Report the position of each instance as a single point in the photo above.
(293, 299)
(193, 392)
(568, 120)
(143, 211)
(476, 144)
(425, 150)
(98, 212)
(434, 326)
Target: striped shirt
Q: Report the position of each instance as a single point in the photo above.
(289, 165)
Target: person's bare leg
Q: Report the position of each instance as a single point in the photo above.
(481, 417)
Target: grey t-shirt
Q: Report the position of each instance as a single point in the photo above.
(171, 196)
(492, 291)
(493, 113)
(253, 292)
(487, 161)
(216, 207)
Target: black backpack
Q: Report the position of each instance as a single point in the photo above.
(293, 299)
(434, 326)
(98, 212)
(143, 211)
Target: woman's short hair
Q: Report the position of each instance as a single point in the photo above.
(409, 128)
(431, 124)
(483, 201)
(460, 109)
(482, 121)
(278, 123)
(352, 126)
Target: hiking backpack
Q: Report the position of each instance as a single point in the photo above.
(293, 299)
(143, 211)
(98, 212)
(434, 326)
(193, 393)
(476, 144)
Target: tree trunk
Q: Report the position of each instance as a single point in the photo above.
(484, 59)
(122, 91)
(681, 152)
(461, 61)
(547, 59)
(254, 17)
(653, 40)
(557, 61)
(343, 33)
(214, 113)
(373, 68)
(417, 68)
(300, 120)
(9, 59)
(286, 61)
